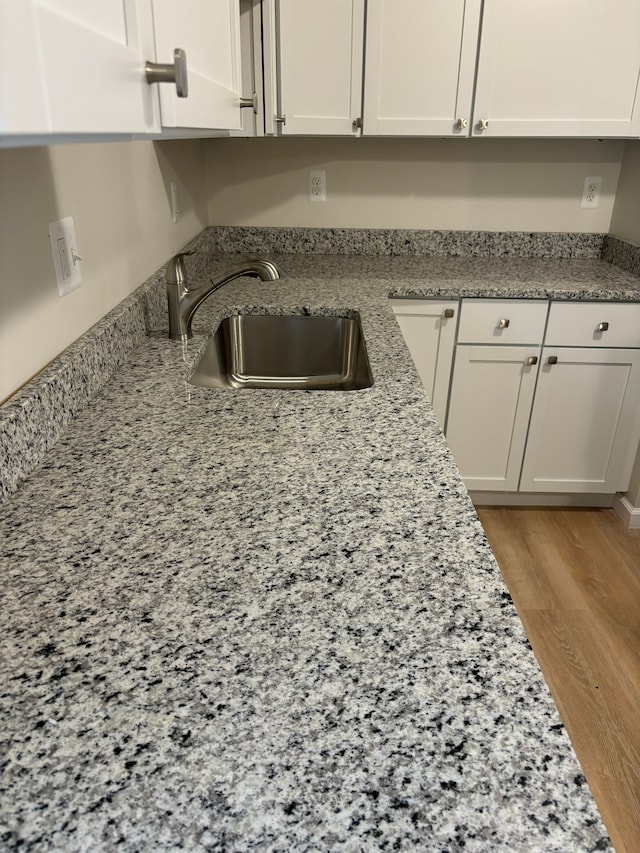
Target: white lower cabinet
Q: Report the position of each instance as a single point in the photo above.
(489, 408)
(429, 329)
(585, 422)
(543, 398)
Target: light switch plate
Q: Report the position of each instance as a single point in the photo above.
(62, 235)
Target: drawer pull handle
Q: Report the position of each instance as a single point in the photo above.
(553, 359)
(533, 359)
(503, 324)
(449, 313)
(603, 327)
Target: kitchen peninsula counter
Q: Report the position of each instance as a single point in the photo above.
(271, 620)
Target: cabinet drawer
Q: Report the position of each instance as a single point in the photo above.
(425, 308)
(502, 321)
(594, 324)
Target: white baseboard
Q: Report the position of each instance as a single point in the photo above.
(627, 512)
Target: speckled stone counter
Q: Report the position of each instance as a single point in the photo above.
(270, 620)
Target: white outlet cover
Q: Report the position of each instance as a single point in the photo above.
(317, 185)
(591, 192)
(64, 249)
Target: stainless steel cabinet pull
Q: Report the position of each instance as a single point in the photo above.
(449, 313)
(250, 102)
(461, 124)
(533, 359)
(158, 72)
(483, 124)
(553, 359)
(503, 323)
(280, 119)
(602, 327)
(356, 124)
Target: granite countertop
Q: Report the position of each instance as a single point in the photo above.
(271, 620)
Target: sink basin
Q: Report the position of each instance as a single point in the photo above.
(285, 351)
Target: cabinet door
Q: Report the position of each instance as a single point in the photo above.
(420, 63)
(429, 330)
(558, 68)
(209, 32)
(585, 424)
(252, 123)
(319, 74)
(489, 407)
(23, 98)
(74, 67)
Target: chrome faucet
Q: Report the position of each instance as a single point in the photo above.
(183, 301)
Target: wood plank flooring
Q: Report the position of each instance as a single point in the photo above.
(574, 575)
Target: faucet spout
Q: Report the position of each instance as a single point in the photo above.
(184, 301)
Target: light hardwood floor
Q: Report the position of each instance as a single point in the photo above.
(574, 575)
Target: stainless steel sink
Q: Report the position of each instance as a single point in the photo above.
(285, 351)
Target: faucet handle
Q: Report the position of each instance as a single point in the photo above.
(176, 273)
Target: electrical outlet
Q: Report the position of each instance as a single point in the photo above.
(591, 192)
(318, 185)
(62, 234)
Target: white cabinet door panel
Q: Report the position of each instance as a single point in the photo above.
(83, 65)
(489, 407)
(209, 32)
(252, 123)
(420, 64)
(585, 423)
(559, 68)
(320, 59)
(429, 330)
(23, 102)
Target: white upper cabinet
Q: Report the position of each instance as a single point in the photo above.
(528, 67)
(209, 33)
(74, 68)
(319, 66)
(23, 106)
(420, 65)
(558, 68)
(252, 121)
(71, 67)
